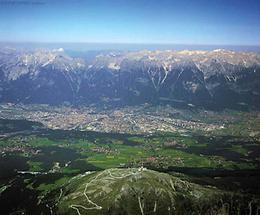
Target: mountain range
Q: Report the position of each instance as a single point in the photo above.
(211, 79)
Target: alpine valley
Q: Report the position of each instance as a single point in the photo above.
(129, 132)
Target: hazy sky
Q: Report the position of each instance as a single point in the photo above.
(234, 22)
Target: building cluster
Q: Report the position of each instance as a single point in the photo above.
(130, 119)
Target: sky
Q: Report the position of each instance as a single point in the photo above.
(230, 22)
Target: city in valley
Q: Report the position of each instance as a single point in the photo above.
(142, 119)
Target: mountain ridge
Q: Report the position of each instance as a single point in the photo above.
(220, 77)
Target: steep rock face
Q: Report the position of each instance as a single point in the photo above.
(150, 82)
(187, 81)
(239, 86)
(97, 85)
(40, 77)
(205, 78)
